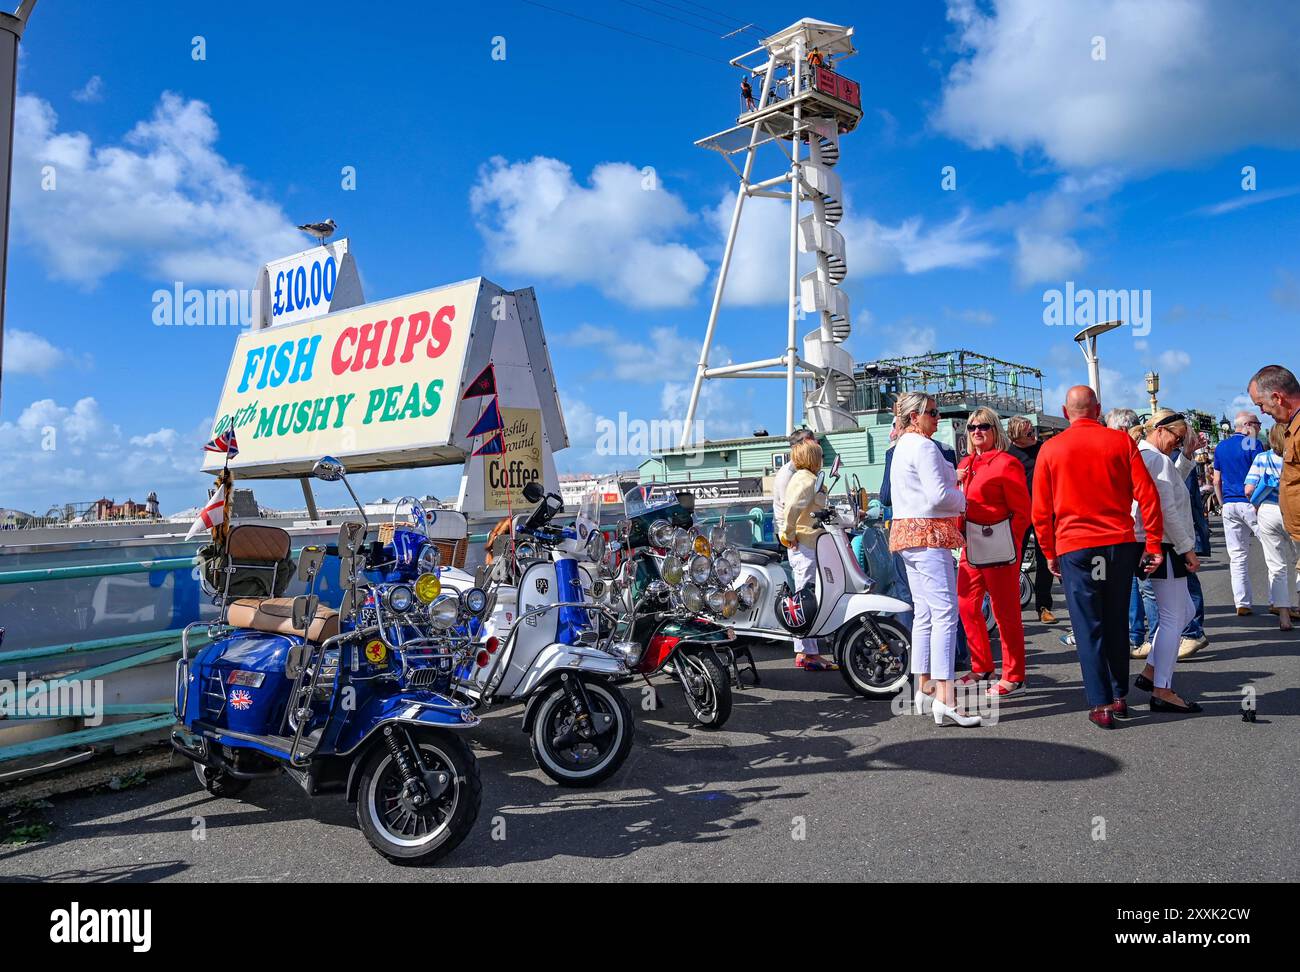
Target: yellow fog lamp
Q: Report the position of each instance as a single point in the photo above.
(427, 588)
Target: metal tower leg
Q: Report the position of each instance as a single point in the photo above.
(741, 193)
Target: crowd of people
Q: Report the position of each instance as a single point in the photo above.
(1115, 511)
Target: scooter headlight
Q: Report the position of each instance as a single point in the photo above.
(399, 598)
(444, 612)
(715, 599)
(692, 597)
(629, 652)
(427, 588)
(746, 594)
(702, 546)
(474, 601)
(726, 570)
(661, 534)
(718, 538)
(596, 546)
(672, 570)
(730, 603)
(682, 546)
(429, 558)
(701, 569)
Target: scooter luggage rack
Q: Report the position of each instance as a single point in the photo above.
(502, 661)
(183, 663)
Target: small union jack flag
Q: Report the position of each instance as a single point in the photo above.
(225, 442)
(240, 699)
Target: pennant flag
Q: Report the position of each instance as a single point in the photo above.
(225, 442)
(489, 421)
(484, 384)
(494, 446)
(211, 516)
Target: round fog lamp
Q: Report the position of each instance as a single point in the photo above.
(427, 588)
(400, 598)
(672, 571)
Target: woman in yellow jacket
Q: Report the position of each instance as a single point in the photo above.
(798, 532)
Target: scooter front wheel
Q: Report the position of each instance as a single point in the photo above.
(869, 669)
(707, 688)
(409, 832)
(574, 757)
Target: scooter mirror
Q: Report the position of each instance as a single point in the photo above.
(351, 535)
(328, 469)
(533, 491)
(304, 611)
(835, 468)
(309, 562)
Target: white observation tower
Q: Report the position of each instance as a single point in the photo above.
(800, 104)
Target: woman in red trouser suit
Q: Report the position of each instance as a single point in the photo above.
(994, 482)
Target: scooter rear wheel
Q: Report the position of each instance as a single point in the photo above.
(218, 782)
(869, 671)
(419, 835)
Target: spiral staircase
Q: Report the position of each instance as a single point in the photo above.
(827, 402)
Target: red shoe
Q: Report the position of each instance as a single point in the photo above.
(1101, 717)
(1119, 709)
(1001, 691)
(973, 678)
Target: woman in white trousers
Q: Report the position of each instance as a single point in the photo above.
(798, 533)
(1166, 433)
(1262, 485)
(926, 529)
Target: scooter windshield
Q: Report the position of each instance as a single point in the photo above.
(640, 500)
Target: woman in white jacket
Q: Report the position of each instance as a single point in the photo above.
(925, 531)
(1165, 434)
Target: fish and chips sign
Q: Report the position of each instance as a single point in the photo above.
(376, 385)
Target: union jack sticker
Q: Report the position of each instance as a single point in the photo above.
(240, 699)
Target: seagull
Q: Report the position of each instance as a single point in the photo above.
(321, 231)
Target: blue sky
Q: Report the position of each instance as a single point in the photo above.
(1122, 172)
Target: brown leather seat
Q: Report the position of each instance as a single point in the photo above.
(274, 615)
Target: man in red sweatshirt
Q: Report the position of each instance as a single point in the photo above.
(1085, 482)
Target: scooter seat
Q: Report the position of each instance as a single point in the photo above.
(760, 558)
(274, 615)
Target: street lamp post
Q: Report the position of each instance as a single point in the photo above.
(1153, 386)
(11, 29)
(1087, 339)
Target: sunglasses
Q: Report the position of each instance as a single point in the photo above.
(980, 427)
(932, 412)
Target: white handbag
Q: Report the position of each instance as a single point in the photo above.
(990, 545)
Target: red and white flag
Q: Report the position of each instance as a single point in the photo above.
(211, 515)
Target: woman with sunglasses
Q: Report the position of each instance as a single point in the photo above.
(1165, 434)
(997, 502)
(925, 531)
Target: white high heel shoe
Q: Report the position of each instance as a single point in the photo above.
(943, 712)
(924, 703)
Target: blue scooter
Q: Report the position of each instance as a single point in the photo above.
(357, 701)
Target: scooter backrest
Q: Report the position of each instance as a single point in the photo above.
(259, 558)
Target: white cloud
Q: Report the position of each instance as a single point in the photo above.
(92, 92)
(1244, 199)
(1182, 80)
(614, 234)
(163, 202)
(30, 354)
(666, 352)
(55, 453)
(1042, 256)
(1174, 362)
(759, 272)
(906, 339)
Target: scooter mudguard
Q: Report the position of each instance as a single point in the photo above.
(856, 605)
(410, 708)
(556, 658)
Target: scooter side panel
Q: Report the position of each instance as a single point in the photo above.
(853, 605)
(239, 683)
(556, 657)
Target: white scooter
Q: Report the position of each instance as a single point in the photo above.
(872, 648)
(541, 643)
